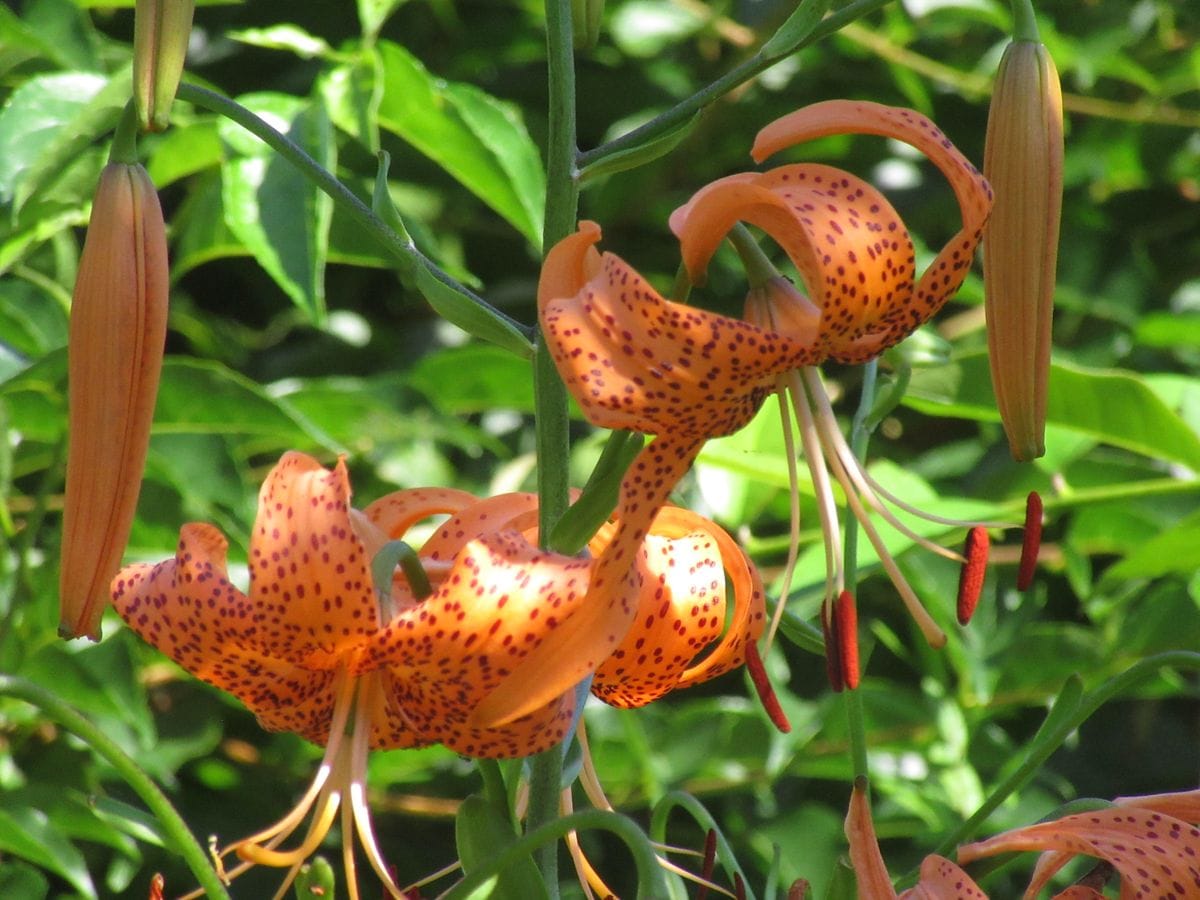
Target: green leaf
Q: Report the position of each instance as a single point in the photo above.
(645, 28)
(477, 139)
(631, 158)
(35, 118)
(29, 834)
(373, 13)
(285, 37)
(481, 831)
(17, 879)
(796, 29)
(1176, 550)
(1114, 407)
(474, 379)
(204, 397)
(274, 210)
(184, 150)
(461, 309)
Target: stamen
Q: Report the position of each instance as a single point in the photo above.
(1031, 541)
(829, 433)
(762, 686)
(157, 885)
(833, 662)
(846, 634)
(789, 449)
(258, 854)
(798, 890)
(415, 887)
(970, 579)
(710, 859)
(739, 889)
(826, 506)
(359, 748)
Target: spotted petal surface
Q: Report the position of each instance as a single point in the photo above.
(681, 570)
(636, 361)
(846, 241)
(1157, 856)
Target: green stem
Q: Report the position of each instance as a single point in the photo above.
(693, 807)
(650, 880)
(550, 396)
(1047, 744)
(124, 143)
(1024, 22)
(494, 788)
(860, 436)
(403, 250)
(178, 835)
(675, 116)
(759, 268)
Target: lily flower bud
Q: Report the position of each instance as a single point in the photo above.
(114, 352)
(161, 29)
(586, 18)
(1023, 160)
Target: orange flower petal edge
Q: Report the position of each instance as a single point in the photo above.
(636, 361)
(682, 569)
(114, 358)
(1155, 854)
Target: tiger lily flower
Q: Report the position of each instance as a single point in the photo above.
(1151, 841)
(635, 360)
(317, 649)
(114, 357)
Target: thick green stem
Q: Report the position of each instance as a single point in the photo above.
(550, 396)
(677, 115)
(179, 837)
(347, 202)
(1024, 22)
(124, 143)
(860, 436)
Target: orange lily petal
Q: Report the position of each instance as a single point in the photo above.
(849, 245)
(1157, 855)
(501, 600)
(398, 511)
(943, 880)
(682, 569)
(945, 275)
(600, 623)
(869, 868)
(636, 361)
(309, 572)
(188, 609)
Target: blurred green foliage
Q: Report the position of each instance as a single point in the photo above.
(289, 329)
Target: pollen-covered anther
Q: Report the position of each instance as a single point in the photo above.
(846, 637)
(710, 860)
(762, 686)
(970, 579)
(1031, 541)
(833, 660)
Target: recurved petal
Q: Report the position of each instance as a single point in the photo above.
(636, 361)
(399, 511)
(869, 868)
(682, 571)
(942, 880)
(1155, 854)
(945, 275)
(845, 239)
(502, 599)
(309, 571)
(504, 512)
(187, 608)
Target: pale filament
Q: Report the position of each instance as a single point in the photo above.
(785, 581)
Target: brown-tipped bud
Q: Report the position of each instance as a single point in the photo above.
(1023, 160)
(833, 658)
(161, 29)
(970, 579)
(1031, 541)
(114, 357)
(762, 687)
(846, 636)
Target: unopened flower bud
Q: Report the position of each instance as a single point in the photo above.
(586, 16)
(1023, 161)
(161, 29)
(115, 350)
